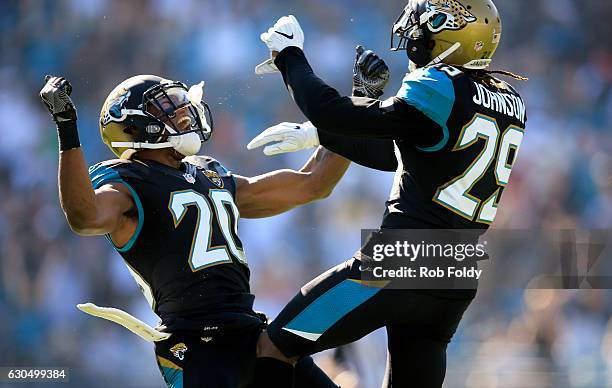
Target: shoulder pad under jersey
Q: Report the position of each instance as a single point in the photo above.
(208, 163)
(431, 90)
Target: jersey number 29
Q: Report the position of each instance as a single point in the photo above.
(455, 195)
(202, 254)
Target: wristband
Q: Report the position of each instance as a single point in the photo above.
(358, 93)
(68, 135)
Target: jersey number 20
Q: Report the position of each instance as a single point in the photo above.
(455, 195)
(202, 254)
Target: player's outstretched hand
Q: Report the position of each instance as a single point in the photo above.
(56, 97)
(284, 33)
(370, 74)
(287, 137)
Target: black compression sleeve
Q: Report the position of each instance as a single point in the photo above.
(373, 153)
(353, 116)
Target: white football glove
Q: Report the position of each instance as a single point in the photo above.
(126, 320)
(286, 32)
(290, 137)
(266, 67)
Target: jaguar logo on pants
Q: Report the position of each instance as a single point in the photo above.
(179, 350)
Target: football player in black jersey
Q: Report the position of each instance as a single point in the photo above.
(451, 133)
(173, 217)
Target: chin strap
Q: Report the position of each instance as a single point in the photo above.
(445, 54)
(149, 146)
(135, 145)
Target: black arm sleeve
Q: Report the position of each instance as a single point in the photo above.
(378, 154)
(352, 116)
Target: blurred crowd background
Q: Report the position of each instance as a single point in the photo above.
(509, 338)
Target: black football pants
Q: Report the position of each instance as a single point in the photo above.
(337, 308)
(189, 361)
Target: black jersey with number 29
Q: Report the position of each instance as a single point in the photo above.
(458, 182)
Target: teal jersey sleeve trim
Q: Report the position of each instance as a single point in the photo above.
(438, 146)
(101, 175)
(432, 92)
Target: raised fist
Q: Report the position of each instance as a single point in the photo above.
(370, 74)
(56, 97)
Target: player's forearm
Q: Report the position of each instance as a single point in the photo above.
(280, 191)
(76, 193)
(326, 108)
(270, 194)
(325, 169)
(317, 100)
(378, 154)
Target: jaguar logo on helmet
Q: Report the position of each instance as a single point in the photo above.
(114, 107)
(446, 15)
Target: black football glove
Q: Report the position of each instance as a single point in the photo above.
(56, 97)
(370, 74)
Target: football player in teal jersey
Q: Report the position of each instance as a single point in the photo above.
(172, 215)
(451, 134)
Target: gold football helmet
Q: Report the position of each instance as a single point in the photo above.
(457, 32)
(143, 112)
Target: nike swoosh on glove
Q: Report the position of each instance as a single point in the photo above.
(284, 33)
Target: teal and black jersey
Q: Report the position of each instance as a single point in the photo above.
(451, 136)
(458, 181)
(185, 254)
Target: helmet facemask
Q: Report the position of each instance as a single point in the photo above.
(169, 116)
(411, 37)
(182, 118)
(415, 29)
